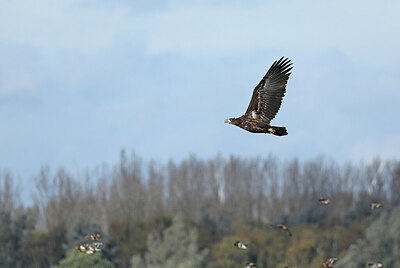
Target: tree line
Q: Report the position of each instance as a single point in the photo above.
(134, 202)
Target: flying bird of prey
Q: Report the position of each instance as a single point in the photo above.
(283, 227)
(375, 265)
(329, 262)
(324, 201)
(240, 245)
(375, 206)
(266, 101)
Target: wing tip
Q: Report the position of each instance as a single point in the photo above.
(283, 65)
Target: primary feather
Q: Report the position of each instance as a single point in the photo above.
(268, 94)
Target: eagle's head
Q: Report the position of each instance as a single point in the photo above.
(233, 121)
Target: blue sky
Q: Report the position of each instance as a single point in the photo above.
(81, 80)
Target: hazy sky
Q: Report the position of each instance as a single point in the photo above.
(81, 80)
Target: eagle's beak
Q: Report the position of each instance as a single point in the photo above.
(227, 121)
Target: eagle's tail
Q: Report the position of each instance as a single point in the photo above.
(278, 131)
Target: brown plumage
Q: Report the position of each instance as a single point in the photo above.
(85, 248)
(329, 262)
(94, 237)
(283, 227)
(266, 101)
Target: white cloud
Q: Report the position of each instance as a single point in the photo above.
(193, 28)
(61, 25)
(306, 26)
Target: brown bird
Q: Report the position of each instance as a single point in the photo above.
(266, 101)
(85, 248)
(375, 206)
(329, 262)
(283, 227)
(94, 237)
(80, 249)
(324, 201)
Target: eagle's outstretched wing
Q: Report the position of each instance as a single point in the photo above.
(268, 94)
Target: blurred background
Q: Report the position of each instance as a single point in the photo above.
(111, 117)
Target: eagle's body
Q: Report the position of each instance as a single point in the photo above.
(266, 101)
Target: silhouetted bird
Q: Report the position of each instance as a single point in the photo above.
(375, 206)
(324, 201)
(266, 101)
(240, 245)
(283, 227)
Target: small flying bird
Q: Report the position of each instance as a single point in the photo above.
(250, 265)
(240, 245)
(324, 201)
(85, 248)
(375, 205)
(283, 227)
(96, 246)
(94, 237)
(375, 265)
(266, 101)
(329, 262)
(80, 248)
(90, 251)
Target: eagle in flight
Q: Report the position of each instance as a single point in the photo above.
(266, 101)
